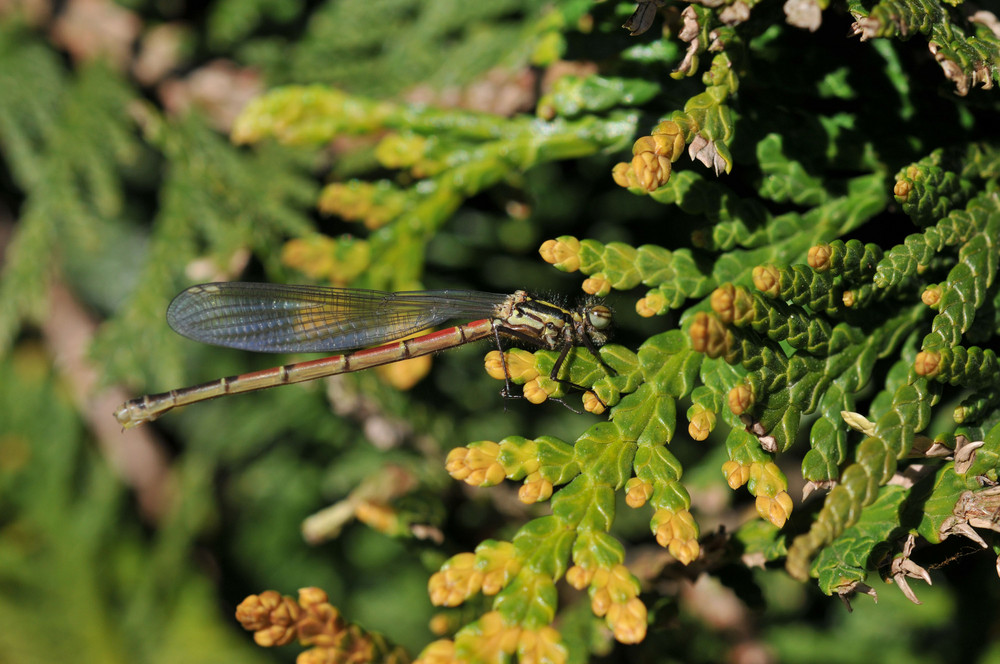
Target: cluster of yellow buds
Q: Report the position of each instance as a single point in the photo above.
(277, 620)
(597, 284)
(737, 474)
(486, 463)
(819, 256)
(927, 363)
(651, 305)
(371, 204)
(398, 151)
(740, 398)
(535, 489)
(637, 492)
(652, 157)
(563, 252)
(901, 190)
(767, 280)
(771, 487)
(701, 422)
(323, 258)
(710, 336)
(776, 508)
(593, 404)
(520, 368)
(931, 296)
(519, 365)
(491, 639)
(457, 581)
(614, 595)
(272, 618)
(732, 304)
(476, 464)
(487, 570)
(677, 532)
(768, 482)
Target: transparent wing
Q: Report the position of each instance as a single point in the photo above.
(274, 318)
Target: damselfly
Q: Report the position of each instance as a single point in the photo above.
(301, 319)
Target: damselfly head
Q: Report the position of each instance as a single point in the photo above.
(594, 323)
(599, 317)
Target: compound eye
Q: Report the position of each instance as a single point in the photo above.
(599, 317)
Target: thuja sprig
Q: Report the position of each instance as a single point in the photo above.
(845, 564)
(971, 367)
(375, 204)
(674, 274)
(574, 95)
(966, 60)
(534, 370)
(772, 318)
(928, 191)
(705, 125)
(859, 484)
(491, 638)
(708, 118)
(799, 284)
(627, 453)
(453, 153)
(830, 364)
(852, 261)
(652, 157)
(966, 288)
(977, 405)
(917, 252)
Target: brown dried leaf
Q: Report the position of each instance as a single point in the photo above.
(821, 485)
(866, 27)
(903, 567)
(804, 14)
(704, 151)
(974, 509)
(768, 443)
(500, 91)
(32, 12)
(952, 71)
(159, 53)
(643, 16)
(89, 29)
(965, 453)
(689, 27)
(847, 591)
(220, 89)
(734, 14)
(989, 19)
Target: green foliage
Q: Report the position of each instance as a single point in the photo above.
(65, 142)
(807, 313)
(74, 558)
(378, 47)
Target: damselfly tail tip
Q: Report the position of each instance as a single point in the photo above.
(133, 413)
